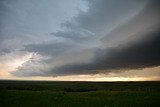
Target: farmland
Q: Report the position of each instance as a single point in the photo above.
(79, 94)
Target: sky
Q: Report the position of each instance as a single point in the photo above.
(80, 40)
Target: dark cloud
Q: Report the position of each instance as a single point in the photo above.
(145, 53)
(145, 21)
(101, 14)
(125, 35)
(139, 51)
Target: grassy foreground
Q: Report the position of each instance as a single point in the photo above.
(58, 94)
(79, 99)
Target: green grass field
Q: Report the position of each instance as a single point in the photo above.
(79, 94)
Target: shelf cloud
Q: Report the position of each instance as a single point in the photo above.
(81, 38)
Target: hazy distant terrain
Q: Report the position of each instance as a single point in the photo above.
(79, 94)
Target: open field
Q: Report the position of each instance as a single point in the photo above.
(79, 94)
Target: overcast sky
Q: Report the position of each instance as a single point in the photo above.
(106, 40)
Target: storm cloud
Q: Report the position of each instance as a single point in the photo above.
(140, 55)
(81, 38)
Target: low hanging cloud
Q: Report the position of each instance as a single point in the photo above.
(140, 55)
(111, 35)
